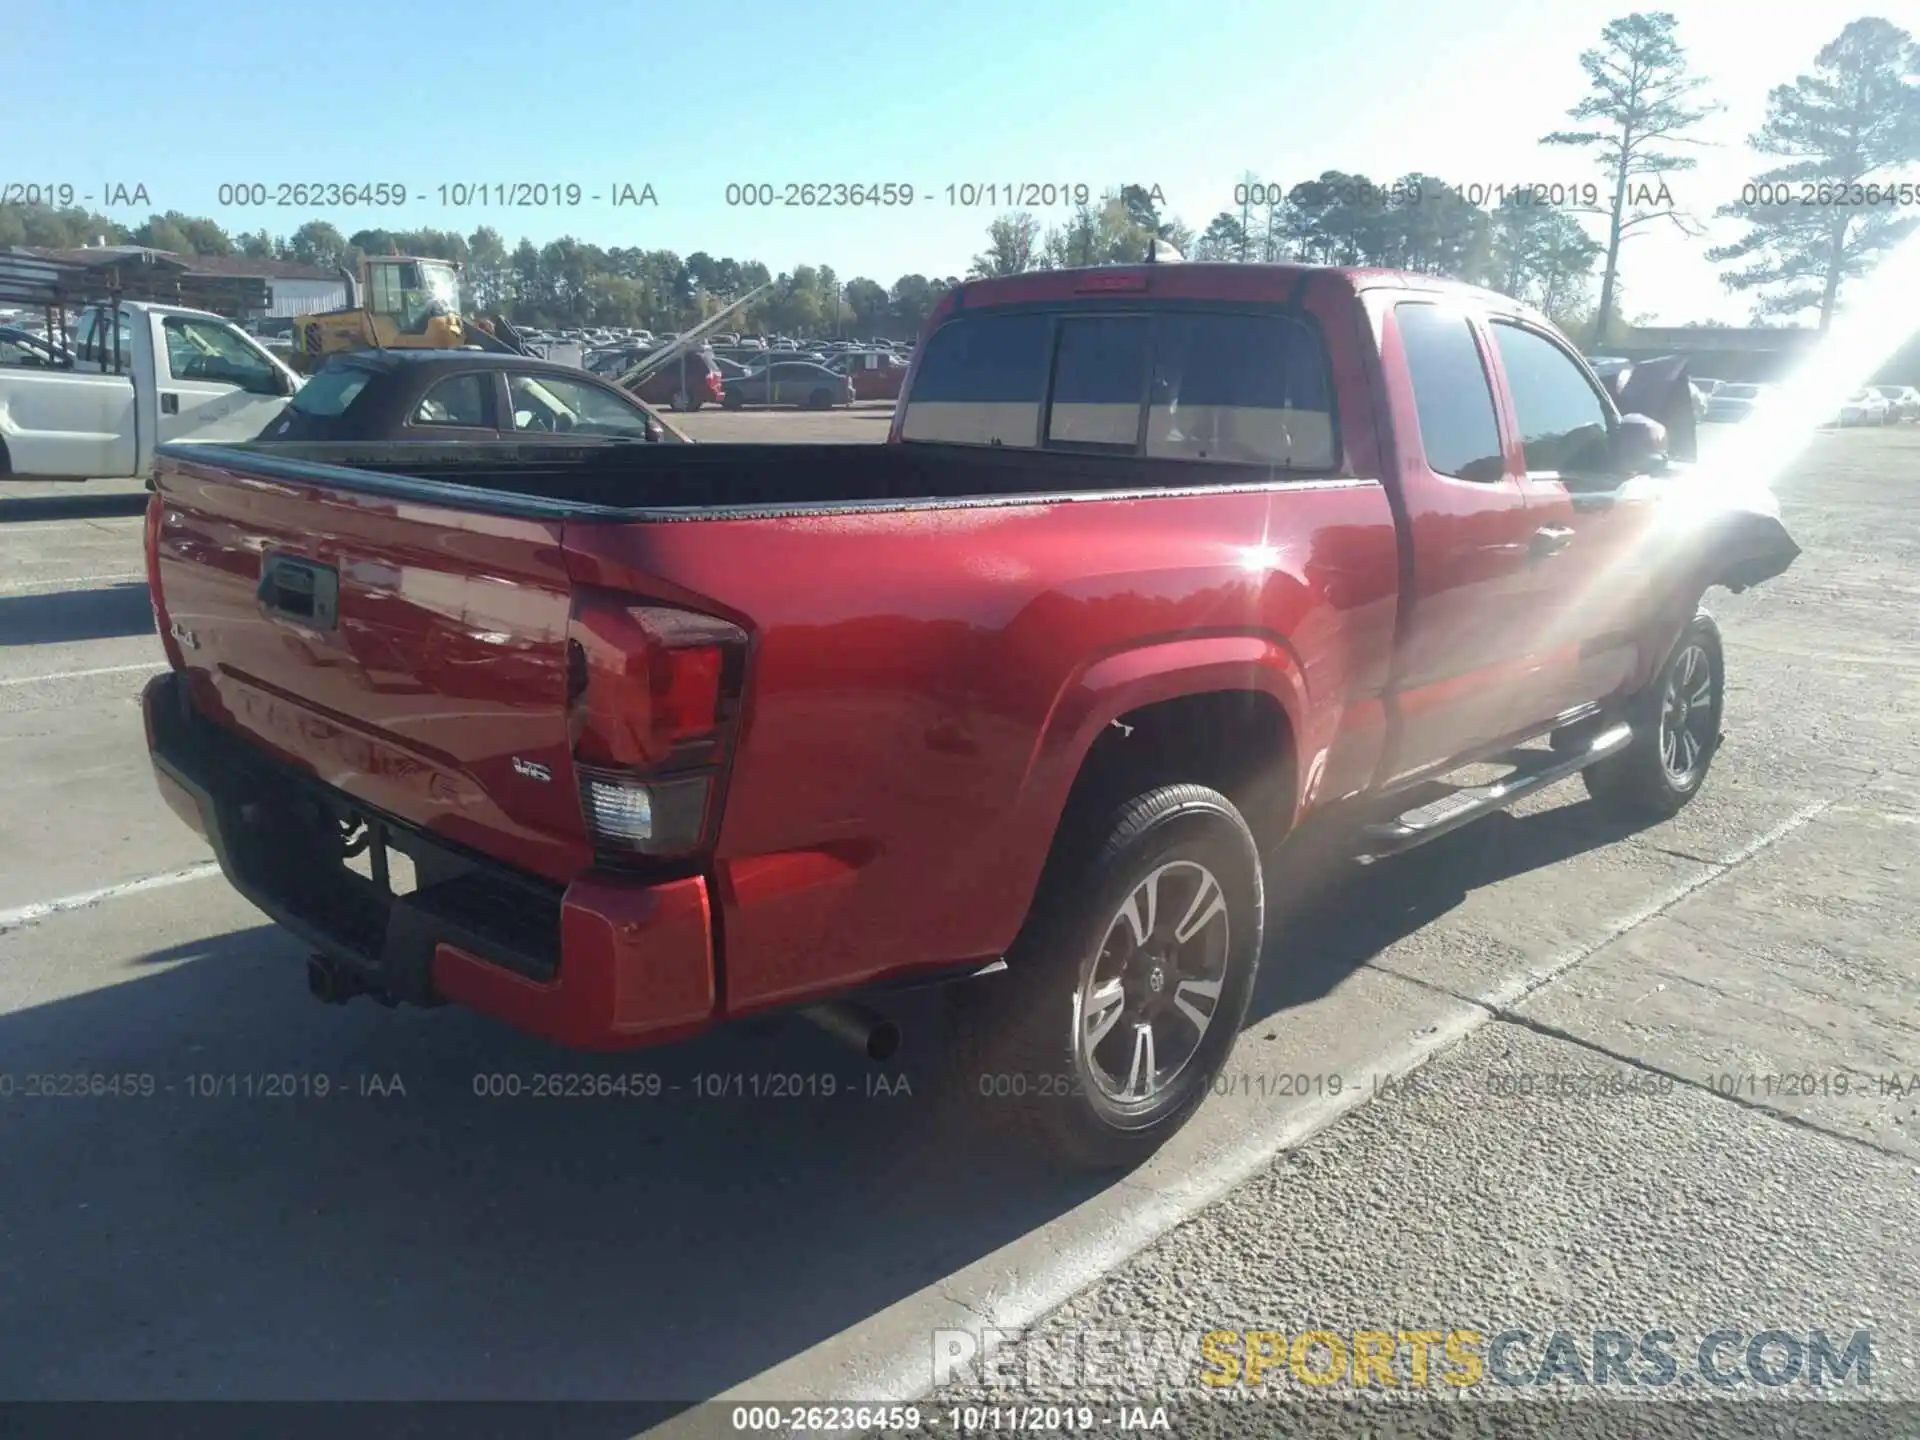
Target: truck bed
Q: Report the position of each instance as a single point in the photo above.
(747, 479)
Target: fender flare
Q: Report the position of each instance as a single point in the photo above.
(1099, 693)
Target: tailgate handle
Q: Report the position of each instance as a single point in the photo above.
(300, 590)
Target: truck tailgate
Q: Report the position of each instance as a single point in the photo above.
(411, 655)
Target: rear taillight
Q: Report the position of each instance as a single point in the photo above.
(652, 699)
(714, 386)
(161, 624)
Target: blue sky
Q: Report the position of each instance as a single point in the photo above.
(691, 97)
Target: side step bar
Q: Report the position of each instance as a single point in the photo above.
(1450, 812)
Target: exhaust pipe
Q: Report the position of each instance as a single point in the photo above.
(329, 982)
(875, 1036)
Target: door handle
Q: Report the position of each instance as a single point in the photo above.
(169, 403)
(1549, 540)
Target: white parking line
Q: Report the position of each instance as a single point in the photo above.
(26, 914)
(78, 674)
(71, 582)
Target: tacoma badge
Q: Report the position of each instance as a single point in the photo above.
(531, 770)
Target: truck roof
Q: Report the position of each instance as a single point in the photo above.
(1213, 280)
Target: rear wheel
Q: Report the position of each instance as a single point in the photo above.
(733, 400)
(820, 400)
(679, 401)
(1127, 989)
(1676, 730)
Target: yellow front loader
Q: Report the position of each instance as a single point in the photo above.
(399, 302)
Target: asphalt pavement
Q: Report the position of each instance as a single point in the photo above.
(1541, 1075)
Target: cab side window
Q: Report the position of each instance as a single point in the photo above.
(203, 350)
(1452, 393)
(1565, 425)
(464, 400)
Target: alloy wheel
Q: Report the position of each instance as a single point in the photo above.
(1686, 716)
(1151, 995)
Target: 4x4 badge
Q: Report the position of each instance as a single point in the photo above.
(531, 770)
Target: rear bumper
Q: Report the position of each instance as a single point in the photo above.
(608, 962)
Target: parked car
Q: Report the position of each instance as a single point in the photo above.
(790, 382)
(1902, 400)
(876, 374)
(455, 396)
(1159, 565)
(1864, 407)
(764, 358)
(138, 375)
(1730, 402)
(686, 383)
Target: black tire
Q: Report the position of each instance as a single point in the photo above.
(820, 400)
(1017, 1058)
(694, 402)
(1644, 782)
(734, 402)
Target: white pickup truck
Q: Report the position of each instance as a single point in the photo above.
(167, 374)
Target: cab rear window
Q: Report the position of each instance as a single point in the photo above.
(981, 382)
(1229, 388)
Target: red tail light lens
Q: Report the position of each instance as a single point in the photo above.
(652, 698)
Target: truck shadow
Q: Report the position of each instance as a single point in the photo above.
(287, 1200)
(97, 506)
(464, 1213)
(61, 616)
(1330, 914)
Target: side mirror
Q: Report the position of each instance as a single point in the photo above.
(1639, 445)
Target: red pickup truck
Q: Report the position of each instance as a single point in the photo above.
(1159, 561)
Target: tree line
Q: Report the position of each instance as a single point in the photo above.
(1839, 190)
(1815, 217)
(565, 282)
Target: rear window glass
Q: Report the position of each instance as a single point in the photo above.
(330, 391)
(1099, 375)
(981, 382)
(1245, 389)
(1229, 388)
